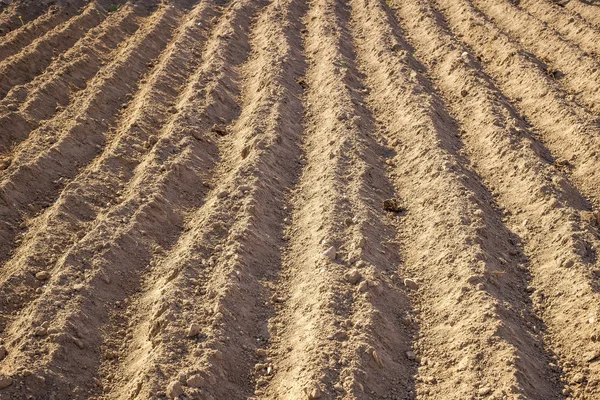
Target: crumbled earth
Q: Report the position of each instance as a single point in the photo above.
(289, 199)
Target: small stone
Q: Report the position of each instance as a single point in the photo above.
(174, 390)
(193, 330)
(348, 221)
(3, 352)
(464, 93)
(363, 287)
(40, 331)
(338, 387)
(330, 253)
(484, 391)
(411, 355)
(377, 358)
(5, 381)
(589, 357)
(578, 378)
(353, 276)
(42, 275)
(313, 393)
(78, 343)
(261, 352)
(411, 284)
(195, 381)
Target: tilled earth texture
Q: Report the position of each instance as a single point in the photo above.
(299, 199)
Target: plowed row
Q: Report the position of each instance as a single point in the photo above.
(288, 199)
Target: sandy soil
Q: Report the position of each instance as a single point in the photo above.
(290, 199)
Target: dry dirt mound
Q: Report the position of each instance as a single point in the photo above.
(290, 199)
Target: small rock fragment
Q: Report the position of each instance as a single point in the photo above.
(411, 284)
(578, 378)
(40, 331)
(411, 355)
(193, 330)
(377, 358)
(78, 343)
(330, 253)
(353, 276)
(589, 357)
(484, 391)
(195, 381)
(313, 393)
(363, 287)
(5, 381)
(464, 93)
(3, 352)
(174, 390)
(42, 275)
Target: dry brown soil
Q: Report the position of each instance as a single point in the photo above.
(299, 199)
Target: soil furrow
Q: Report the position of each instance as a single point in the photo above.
(21, 16)
(97, 186)
(569, 24)
(353, 325)
(570, 66)
(16, 40)
(58, 150)
(538, 198)
(586, 9)
(26, 106)
(233, 240)
(106, 266)
(453, 237)
(25, 65)
(567, 129)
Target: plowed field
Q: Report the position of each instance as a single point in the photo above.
(299, 199)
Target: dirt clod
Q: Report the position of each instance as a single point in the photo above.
(5, 381)
(393, 205)
(330, 253)
(195, 381)
(174, 390)
(411, 284)
(353, 276)
(42, 275)
(193, 330)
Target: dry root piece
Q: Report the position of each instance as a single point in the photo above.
(393, 205)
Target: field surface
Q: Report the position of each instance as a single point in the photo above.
(299, 199)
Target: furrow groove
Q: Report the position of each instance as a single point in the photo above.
(25, 65)
(573, 69)
(451, 226)
(343, 309)
(59, 149)
(537, 197)
(27, 106)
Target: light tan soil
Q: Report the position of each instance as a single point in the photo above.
(292, 199)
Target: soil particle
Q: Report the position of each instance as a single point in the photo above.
(5, 381)
(411, 284)
(313, 393)
(484, 391)
(193, 330)
(42, 275)
(330, 253)
(174, 390)
(195, 381)
(353, 276)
